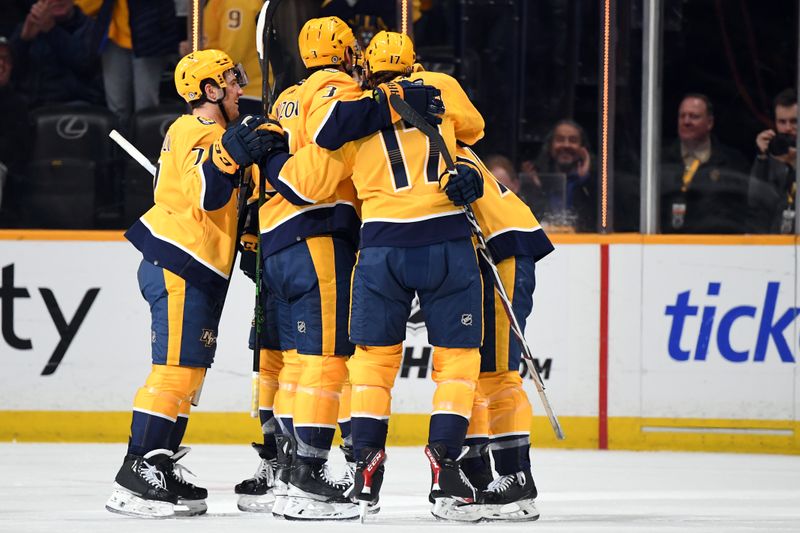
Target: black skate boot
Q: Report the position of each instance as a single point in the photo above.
(477, 465)
(315, 495)
(191, 498)
(283, 472)
(140, 488)
(452, 494)
(350, 462)
(368, 480)
(510, 498)
(256, 494)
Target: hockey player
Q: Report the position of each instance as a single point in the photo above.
(412, 239)
(308, 255)
(187, 241)
(501, 416)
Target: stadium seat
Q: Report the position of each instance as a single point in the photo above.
(73, 132)
(59, 194)
(148, 127)
(65, 135)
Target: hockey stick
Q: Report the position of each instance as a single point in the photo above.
(414, 118)
(263, 32)
(132, 151)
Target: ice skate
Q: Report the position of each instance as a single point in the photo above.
(314, 495)
(479, 469)
(283, 472)
(140, 487)
(350, 462)
(510, 498)
(368, 480)
(191, 498)
(256, 494)
(452, 494)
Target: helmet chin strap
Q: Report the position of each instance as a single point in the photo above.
(222, 107)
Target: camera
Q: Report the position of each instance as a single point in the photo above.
(780, 144)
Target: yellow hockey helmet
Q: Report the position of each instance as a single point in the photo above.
(390, 51)
(193, 68)
(322, 41)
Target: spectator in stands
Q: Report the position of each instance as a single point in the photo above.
(564, 171)
(136, 39)
(703, 182)
(772, 187)
(503, 170)
(56, 65)
(230, 26)
(14, 135)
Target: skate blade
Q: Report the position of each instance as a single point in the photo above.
(454, 511)
(279, 506)
(251, 503)
(127, 503)
(308, 509)
(521, 511)
(190, 507)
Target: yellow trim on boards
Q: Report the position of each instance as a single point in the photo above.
(674, 434)
(557, 238)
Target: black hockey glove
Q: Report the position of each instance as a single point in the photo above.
(247, 263)
(465, 186)
(424, 99)
(244, 141)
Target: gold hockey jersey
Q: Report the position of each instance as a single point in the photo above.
(230, 26)
(396, 172)
(308, 110)
(191, 229)
(507, 223)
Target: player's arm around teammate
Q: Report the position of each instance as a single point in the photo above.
(187, 242)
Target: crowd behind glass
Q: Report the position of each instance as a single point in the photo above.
(729, 103)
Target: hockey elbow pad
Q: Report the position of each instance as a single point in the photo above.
(465, 186)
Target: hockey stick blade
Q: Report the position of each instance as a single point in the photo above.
(415, 119)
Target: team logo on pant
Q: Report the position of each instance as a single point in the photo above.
(301, 326)
(466, 319)
(153, 336)
(208, 338)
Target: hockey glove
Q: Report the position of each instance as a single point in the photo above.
(424, 99)
(465, 186)
(244, 141)
(248, 245)
(275, 140)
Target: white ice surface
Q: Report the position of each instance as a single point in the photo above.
(62, 488)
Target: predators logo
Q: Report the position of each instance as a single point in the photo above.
(208, 338)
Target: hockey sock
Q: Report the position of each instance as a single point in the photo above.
(166, 394)
(178, 431)
(511, 454)
(477, 435)
(343, 418)
(284, 397)
(509, 420)
(271, 363)
(316, 403)
(373, 370)
(455, 373)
